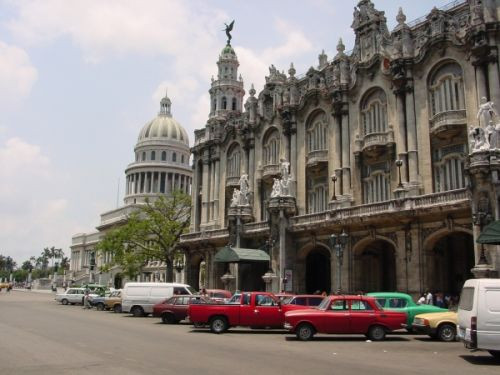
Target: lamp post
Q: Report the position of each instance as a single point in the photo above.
(338, 244)
(334, 180)
(179, 263)
(399, 163)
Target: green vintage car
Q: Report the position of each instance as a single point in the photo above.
(403, 302)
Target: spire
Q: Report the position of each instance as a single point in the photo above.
(292, 70)
(252, 91)
(165, 105)
(340, 47)
(401, 17)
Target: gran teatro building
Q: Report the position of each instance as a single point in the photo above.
(376, 169)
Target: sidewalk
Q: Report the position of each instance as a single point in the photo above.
(44, 291)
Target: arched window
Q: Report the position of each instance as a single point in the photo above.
(271, 149)
(164, 156)
(136, 156)
(376, 182)
(182, 159)
(233, 161)
(224, 102)
(143, 156)
(317, 194)
(174, 157)
(214, 105)
(233, 107)
(374, 112)
(446, 89)
(448, 163)
(153, 155)
(317, 133)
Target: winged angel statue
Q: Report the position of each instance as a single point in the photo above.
(228, 30)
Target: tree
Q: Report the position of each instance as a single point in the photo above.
(150, 233)
(26, 265)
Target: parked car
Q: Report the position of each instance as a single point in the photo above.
(114, 301)
(175, 309)
(255, 309)
(301, 302)
(403, 302)
(219, 295)
(345, 314)
(439, 325)
(139, 298)
(479, 315)
(283, 296)
(72, 296)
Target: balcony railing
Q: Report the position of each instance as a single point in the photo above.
(446, 120)
(316, 157)
(258, 226)
(394, 205)
(271, 170)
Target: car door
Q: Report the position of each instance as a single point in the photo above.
(246, 310)
(267, 312)
(336, 317)
(181, 307)
(77, 296)
(362, 316)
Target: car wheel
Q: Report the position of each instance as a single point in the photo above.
(117, 308)
(100, 306)
(64, 301)
(495, 353)
(218, 324)
(447, 332)
(137, 311)
(167, 319)
(376, 333)
(305, 332)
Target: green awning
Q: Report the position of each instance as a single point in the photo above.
(490, 234)
(237, 254)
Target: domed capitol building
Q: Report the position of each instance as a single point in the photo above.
(373, 170)
(161, 166)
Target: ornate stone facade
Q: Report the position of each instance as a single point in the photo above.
(378, 147)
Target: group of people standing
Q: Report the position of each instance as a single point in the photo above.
(438, 299)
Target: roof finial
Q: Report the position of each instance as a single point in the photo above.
(165, 105)
(401, 17)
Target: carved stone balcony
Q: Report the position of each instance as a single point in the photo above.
(315, 158)
(270, 171)
(232, 182)
(448, 124)
(374, 144)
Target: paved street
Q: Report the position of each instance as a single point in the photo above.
(39, 336)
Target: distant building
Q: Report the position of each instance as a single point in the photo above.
(372, 143)
(161, 166)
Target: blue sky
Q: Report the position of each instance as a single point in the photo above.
(79, 79)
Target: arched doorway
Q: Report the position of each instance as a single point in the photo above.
(117, 283)
(318, 270)
(197, 271)
(375, 268)
(452, 261)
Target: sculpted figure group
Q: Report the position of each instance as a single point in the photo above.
(487, 135)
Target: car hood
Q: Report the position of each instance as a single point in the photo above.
(452, 315)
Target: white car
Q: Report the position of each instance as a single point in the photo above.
(72, 295)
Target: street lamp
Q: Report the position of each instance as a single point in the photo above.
(338, 244)
(334, 180)
(399, 163)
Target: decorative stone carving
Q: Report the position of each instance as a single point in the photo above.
(281, 186)
(486, 111)
(240, 196)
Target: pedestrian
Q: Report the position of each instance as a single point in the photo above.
(439, 300)
(86, 302)
(429, 298)
(421, 300)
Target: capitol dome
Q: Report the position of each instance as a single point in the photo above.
(162, 156)
(163, 127)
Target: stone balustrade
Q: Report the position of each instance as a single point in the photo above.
(445, 120)
(316, 157)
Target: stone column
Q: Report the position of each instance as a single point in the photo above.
(336, 151)
(481, 83)
(346, 154)
(251, 170)
(204, 193)
(217, 191)
(494, 80)
(412, 136)
(293, 161)
(401, 135)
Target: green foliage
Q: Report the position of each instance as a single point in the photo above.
(150, 233)
(20, 275)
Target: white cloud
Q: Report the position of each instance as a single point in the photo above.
(32, 216)
(17, 74)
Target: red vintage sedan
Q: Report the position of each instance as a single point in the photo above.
(174, 309)
(345, 314)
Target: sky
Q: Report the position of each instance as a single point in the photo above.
(79, 79)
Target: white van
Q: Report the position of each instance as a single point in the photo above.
(139, 298)
(479, 315)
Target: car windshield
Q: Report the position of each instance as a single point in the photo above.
(235, 299)
(324, 304)
(286, 300)
(191, 290)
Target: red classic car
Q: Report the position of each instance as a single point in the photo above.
(174, 309)
(218, 295)
(301, 302)
(251, 309)
(344, 314)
